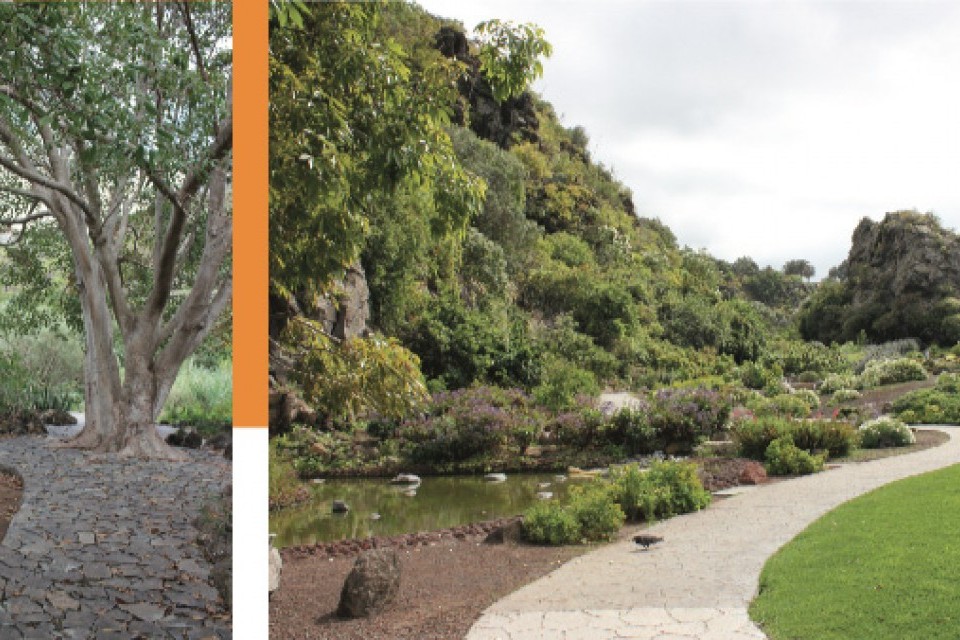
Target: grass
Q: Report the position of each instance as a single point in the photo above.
(201, 398)
(881, 567)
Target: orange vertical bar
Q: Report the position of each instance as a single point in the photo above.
(250, 264)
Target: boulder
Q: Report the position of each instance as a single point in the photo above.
(276, 566)
(495, 477)
(372, 585)
(339, 506)
(509, 532)
(405, 478)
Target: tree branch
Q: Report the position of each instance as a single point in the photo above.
(163, 279)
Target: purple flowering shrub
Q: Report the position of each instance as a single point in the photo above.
(469, 422)
(687, 416)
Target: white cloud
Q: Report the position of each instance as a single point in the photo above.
(759, 128)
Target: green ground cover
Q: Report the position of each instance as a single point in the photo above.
(880, 567)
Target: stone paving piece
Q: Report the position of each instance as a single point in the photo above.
(104, 547)
(698, 582)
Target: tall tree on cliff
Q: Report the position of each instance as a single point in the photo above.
(115, 165)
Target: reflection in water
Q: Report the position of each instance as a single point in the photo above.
(434, 504)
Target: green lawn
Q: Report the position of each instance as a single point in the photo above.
(883, 566)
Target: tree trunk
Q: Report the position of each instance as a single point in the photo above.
(126, 422)
(121, 415)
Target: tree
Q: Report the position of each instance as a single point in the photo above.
(350, 123)
(510, 56)
(115, 163)
(799, 267)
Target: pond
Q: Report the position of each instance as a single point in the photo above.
(437, 503)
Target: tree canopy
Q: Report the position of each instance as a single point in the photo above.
(115, 144)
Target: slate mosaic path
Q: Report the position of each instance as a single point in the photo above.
(698, 582)
(104, 547)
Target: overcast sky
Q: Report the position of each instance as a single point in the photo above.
(758, 128)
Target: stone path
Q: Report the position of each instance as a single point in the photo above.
(699, 581)
(103, 547)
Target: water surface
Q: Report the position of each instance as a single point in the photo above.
(437, 503)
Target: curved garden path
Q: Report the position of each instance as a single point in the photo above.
(700, 580)
(104, 547)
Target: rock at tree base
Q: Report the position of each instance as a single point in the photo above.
(510, 532)
(372, 585)
(57, 417)
(185, 438)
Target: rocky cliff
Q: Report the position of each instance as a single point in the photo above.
(901, 279)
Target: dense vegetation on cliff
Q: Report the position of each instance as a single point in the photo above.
(437, 227)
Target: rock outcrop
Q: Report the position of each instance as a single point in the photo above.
(502, 123)
(900, 280)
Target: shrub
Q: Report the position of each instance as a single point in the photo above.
(562, 381)
(881, 372)
(885, 432)
(837, 381)
(887, 351)
(668, 488)
(579, 428)
(791, 405)
(632, 429)
(590, 515)
(807, 360)
(928, 406)
(687, 416)
(837, 438)
(753, 437)
(596, 512)
(785, 458)
(756, 376)
(550, 523)
(949, 383)
(469, 422)
(808, 396)
(843, 395)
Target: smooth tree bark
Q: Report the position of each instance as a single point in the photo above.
(148, 225)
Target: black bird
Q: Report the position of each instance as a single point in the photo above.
(645, 540)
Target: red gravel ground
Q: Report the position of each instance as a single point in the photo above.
(443, 588)
(11, 488)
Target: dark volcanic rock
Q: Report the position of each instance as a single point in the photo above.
(372, 585)
(502, 123)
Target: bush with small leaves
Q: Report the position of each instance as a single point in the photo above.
(949, 382)
(666, 489)
(837, 381)
(843, 395)
(631, 428)
(928, 406)
(754, 436)
(550, 523)
(595, 510)
(885, 432)
(784, 458)
(882, 372)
